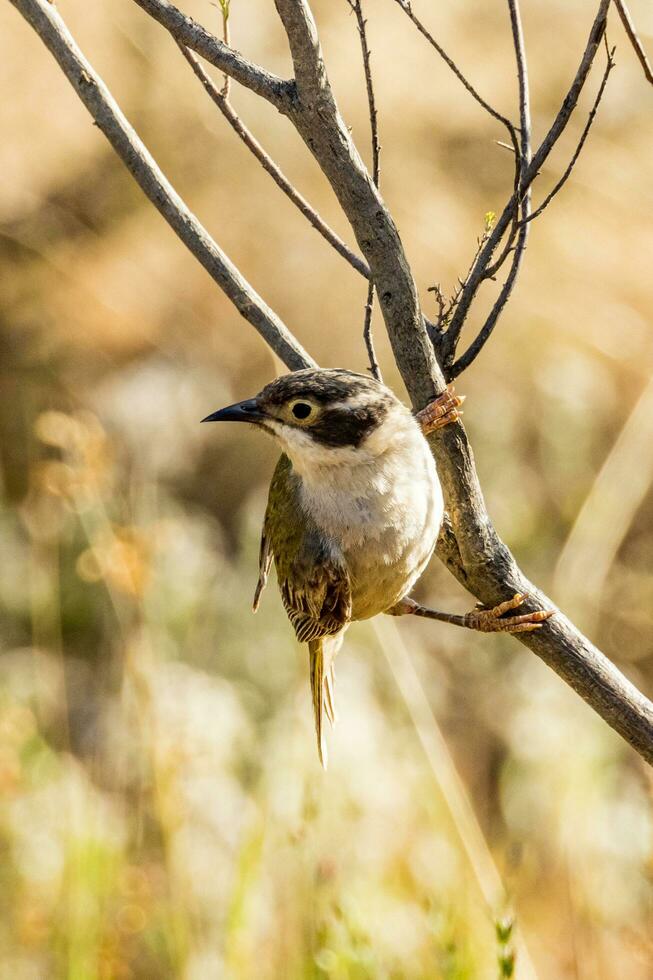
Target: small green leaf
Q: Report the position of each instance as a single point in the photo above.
(507, 964)
(503, 928)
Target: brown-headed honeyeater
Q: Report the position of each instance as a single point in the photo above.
(354, 512)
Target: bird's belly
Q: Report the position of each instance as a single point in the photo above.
(383, 520)
(384, 566)
(377, 586)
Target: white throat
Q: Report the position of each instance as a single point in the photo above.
(356, 494)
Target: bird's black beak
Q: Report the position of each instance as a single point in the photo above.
(247, 411)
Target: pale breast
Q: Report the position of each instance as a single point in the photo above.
(384, 518)
(385, 565)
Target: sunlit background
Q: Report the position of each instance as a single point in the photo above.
(163, 811)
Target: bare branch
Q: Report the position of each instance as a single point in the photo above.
(446, 308)
(271, 167)
(633, 37)
(522, 203)
(357, 7)
(318, 121)
(524, 191)
(539, 157)
(368, 337)
(475, 348)
(446, 345)
(187, 31)
(408, 10)
(305, 49)
(588, 125)
(92, 91)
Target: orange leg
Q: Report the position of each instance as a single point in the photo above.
(484, 620)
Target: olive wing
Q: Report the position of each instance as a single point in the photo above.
(314, 583)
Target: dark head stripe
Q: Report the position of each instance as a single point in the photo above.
(348, 426)
(352, 405)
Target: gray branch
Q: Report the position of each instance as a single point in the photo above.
(469, 544)
(188, 32)
(318, 121)
(221, 100)
(107, 115)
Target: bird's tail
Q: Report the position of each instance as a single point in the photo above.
(322, 654)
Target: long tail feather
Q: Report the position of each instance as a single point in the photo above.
(316, 665)
(329, 694)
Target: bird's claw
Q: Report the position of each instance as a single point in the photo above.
(440, 412)
(494, 620)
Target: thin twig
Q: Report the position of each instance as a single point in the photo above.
(475, 348)
(466, 359)
(49, 25)
(356, 6)
(187, 31)
(522, 196)
(633, 37)
(270, 166)
(446, 308)
(408, 10)
(538, 159)
(368, 337)
(446, 345)
(224, 10)
(522, 201)
(588, 125)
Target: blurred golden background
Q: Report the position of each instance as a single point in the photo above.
(163, 811)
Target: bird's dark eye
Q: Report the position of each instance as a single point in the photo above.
(301, 410)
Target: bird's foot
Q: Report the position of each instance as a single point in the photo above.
(494, 620)
(440, 412)
(481, 619)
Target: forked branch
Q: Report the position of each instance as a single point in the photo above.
(221, 100)
(47, 22)
(529, 174)
(406, 6)
(188, 32)
(521, 206)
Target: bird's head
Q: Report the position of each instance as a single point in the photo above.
(327, 417)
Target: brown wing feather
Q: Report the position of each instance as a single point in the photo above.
(314, 584)
(264, 562)
(321, 606)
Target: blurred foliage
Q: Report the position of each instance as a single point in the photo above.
(163, 813)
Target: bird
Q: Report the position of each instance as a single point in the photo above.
(354, 511)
